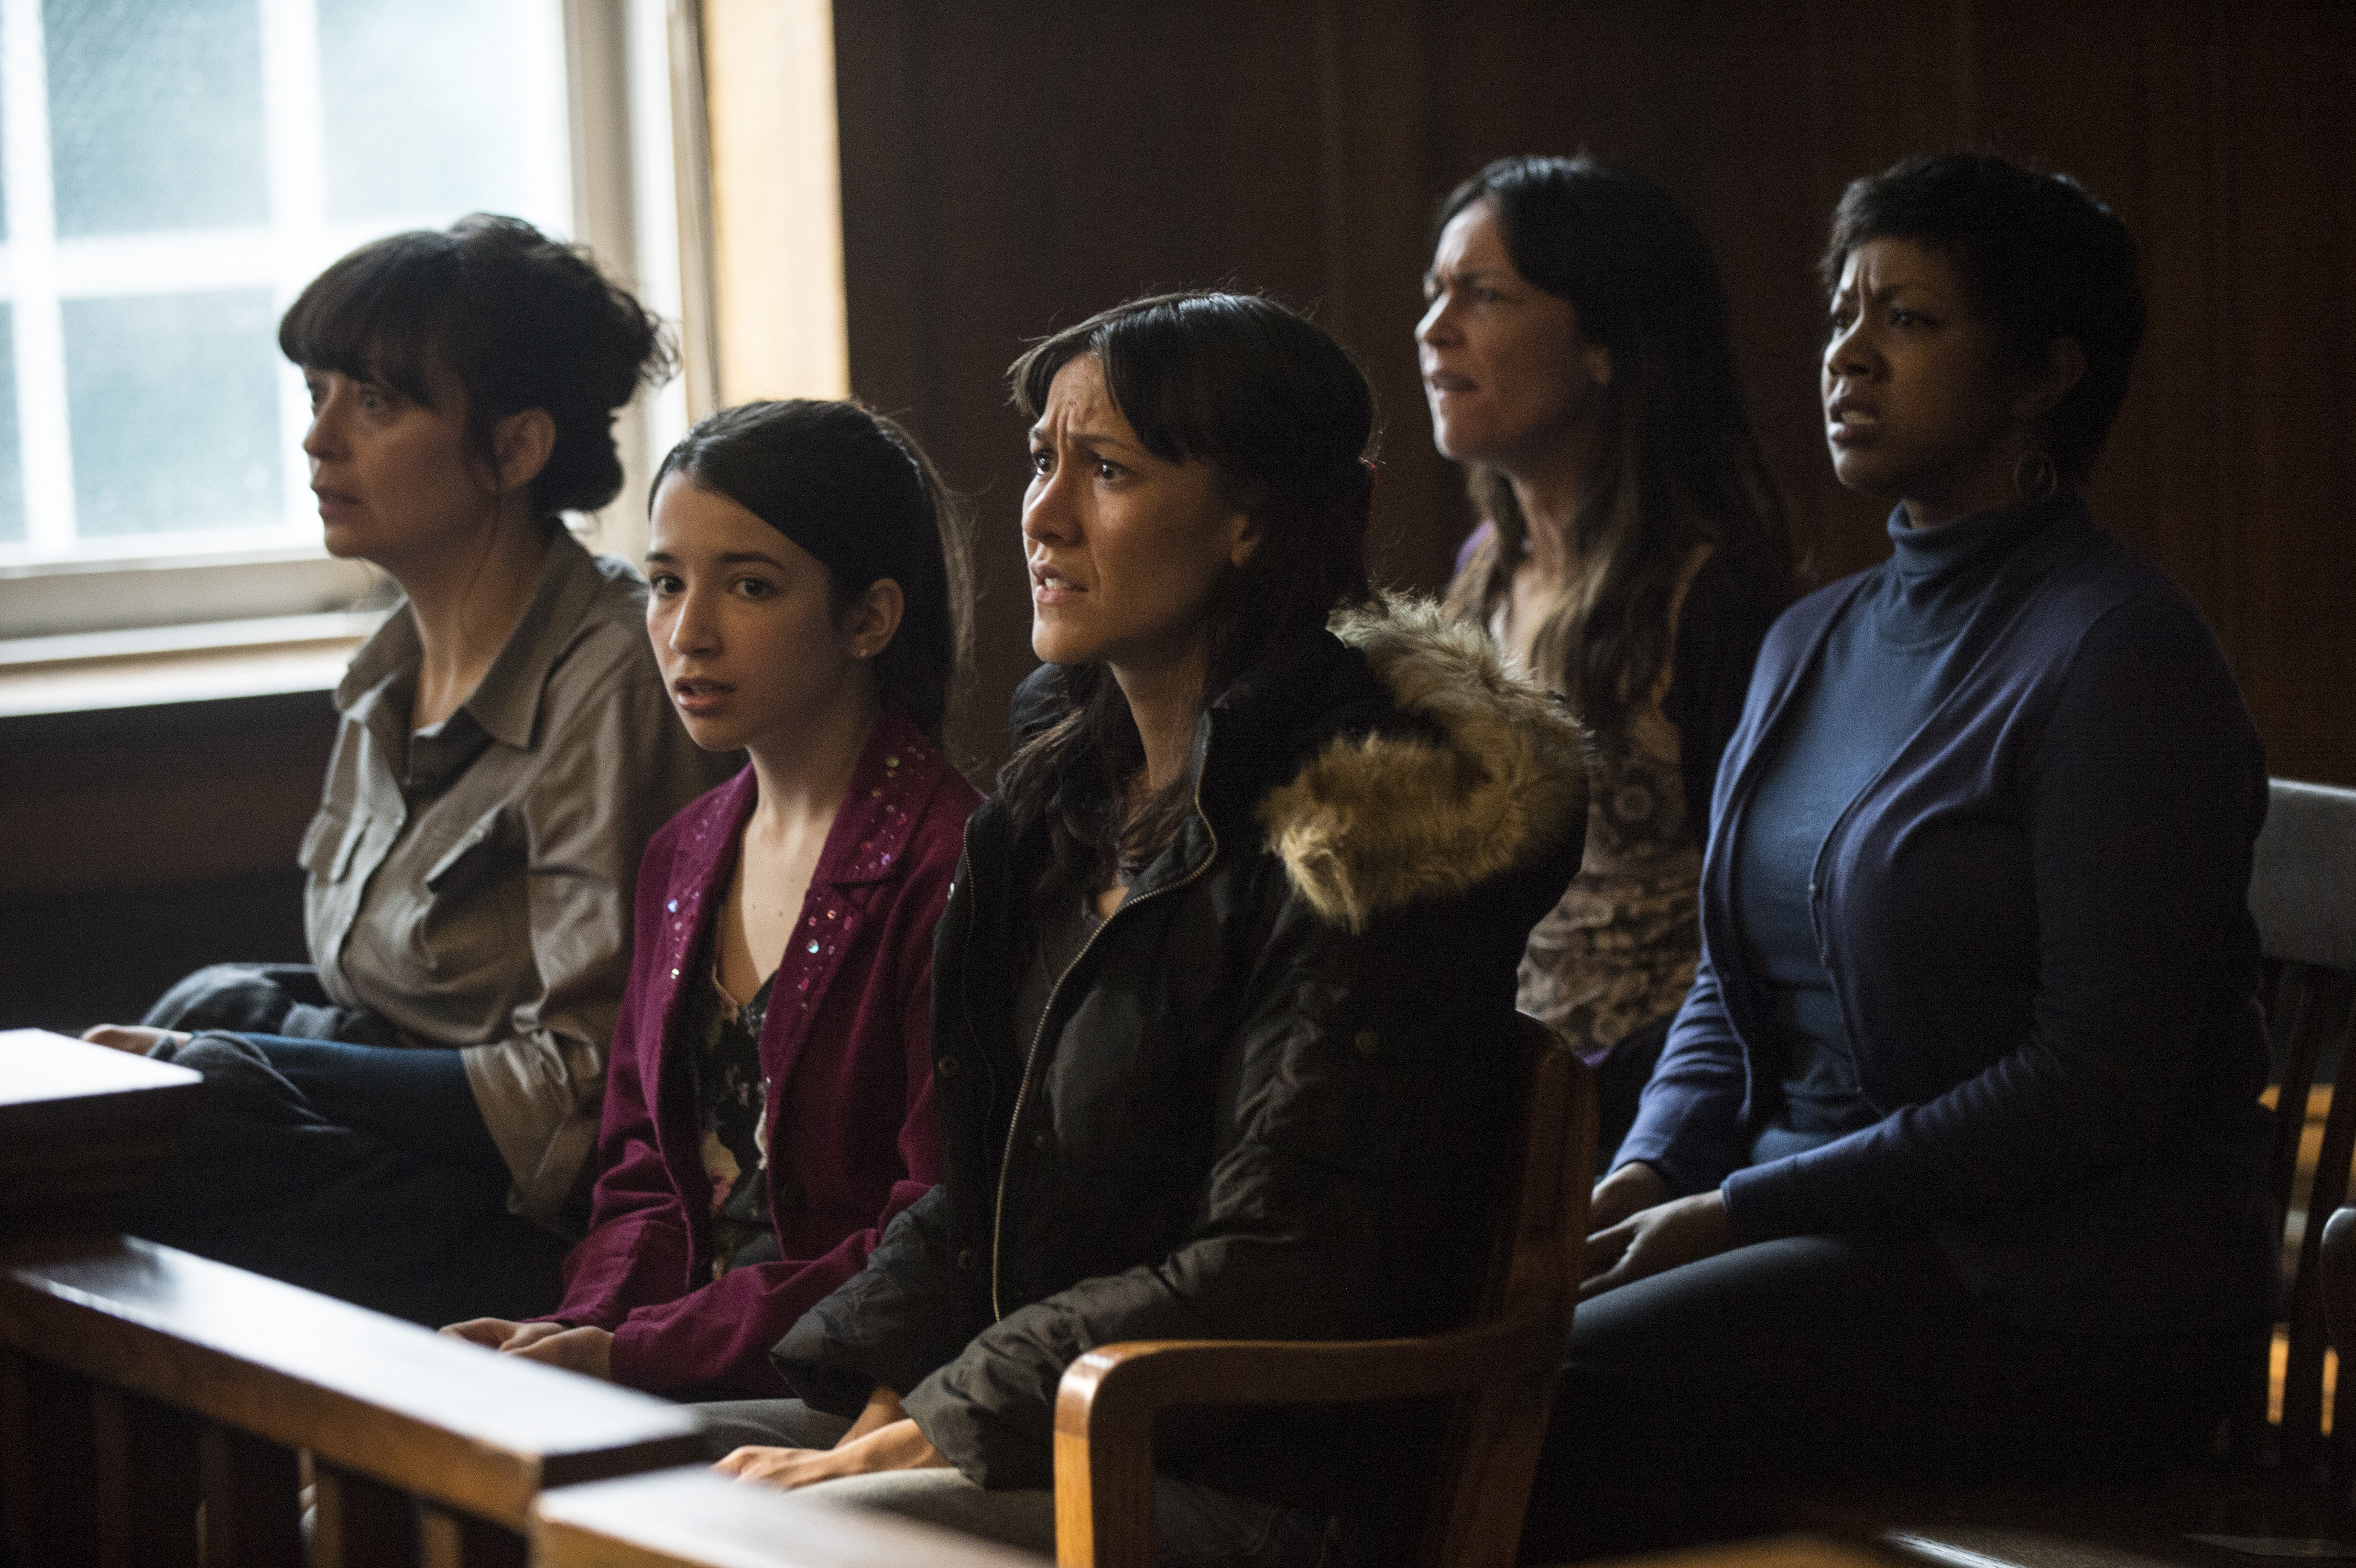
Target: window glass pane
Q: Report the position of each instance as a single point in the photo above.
(155, 114)
(443, 107)
(209, 158)
(12, 473)
(172, 401)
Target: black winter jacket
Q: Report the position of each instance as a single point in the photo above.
(1273, 1096)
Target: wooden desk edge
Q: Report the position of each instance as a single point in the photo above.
(700, 1517)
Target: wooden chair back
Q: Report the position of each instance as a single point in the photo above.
(1502, 1370)
(1534, 1277)
(2303, 894)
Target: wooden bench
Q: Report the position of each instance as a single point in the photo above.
(136, 1381)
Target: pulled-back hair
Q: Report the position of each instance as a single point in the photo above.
(520, 320)
(1675, 464)
(2040, 259)
(1285, 419)
(856, 492)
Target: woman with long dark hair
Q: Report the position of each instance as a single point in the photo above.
(1631, 553)
(1224, 997)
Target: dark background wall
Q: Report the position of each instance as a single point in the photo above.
(1009, 169)
(139, 844)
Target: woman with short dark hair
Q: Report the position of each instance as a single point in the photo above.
(1631, 553)
(406, 1121)
(1955, 1159)
(1224, 997)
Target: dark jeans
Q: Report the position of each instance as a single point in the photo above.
(1830, 1360)
(1195, 1526)
(267, 1181)
(265, 998)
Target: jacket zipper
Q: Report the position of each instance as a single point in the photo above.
(1031, 1057)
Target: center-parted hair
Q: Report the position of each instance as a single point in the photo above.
(520, 320)
(1277, 408)
(1675, 464)
(856, 492)
(1285, 419)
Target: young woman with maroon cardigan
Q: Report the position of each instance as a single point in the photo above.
(807, 606)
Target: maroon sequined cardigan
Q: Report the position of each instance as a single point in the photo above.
(847, 1050)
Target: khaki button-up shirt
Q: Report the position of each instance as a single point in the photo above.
(471, 883)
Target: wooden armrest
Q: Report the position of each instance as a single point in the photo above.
(435, 1417)
(670, 1519)
(1107, 1401)
(1143, 1377)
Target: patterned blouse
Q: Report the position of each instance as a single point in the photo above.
(732, 1105)
(1618, 952)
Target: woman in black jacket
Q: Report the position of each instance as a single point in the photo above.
(1222, 997)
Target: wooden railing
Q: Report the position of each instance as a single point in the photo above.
(159, 1410)
(138, 1383)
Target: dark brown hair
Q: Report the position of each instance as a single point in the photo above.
(519, 320)
(1675, 465)
(2040, 259)
(1284, 417)
(854, 490)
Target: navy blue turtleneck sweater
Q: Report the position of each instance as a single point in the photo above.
(1888, 659)
(2027, 788)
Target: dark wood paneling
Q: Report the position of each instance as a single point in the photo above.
(140, 844)
(1007, 170)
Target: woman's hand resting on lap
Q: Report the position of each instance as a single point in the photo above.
(589, 1351)
(1633, 1186)
(136, 1038)
(881, 1439)
(899, 1445)
(1636, 1227)
(1654, 1239)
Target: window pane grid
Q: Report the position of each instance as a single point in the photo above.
(36, 326)
(132, 313)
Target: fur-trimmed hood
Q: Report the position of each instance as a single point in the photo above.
(1499, 773)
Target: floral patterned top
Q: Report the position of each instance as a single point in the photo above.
(1619, 951)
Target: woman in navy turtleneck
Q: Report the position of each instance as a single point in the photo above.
(1955, 1159)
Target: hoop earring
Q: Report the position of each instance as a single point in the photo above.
(2034, 477)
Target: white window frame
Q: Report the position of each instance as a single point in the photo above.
(634, 78)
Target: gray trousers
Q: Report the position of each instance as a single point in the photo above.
(1195, 1526)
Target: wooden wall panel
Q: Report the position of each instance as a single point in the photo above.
(1009, 169)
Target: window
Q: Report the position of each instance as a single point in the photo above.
(172, 173)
